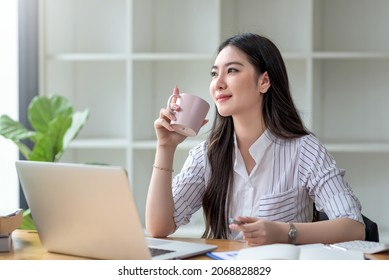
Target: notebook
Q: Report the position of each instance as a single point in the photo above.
(89, 211)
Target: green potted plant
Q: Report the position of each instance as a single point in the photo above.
(54, 124)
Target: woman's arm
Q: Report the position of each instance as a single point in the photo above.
(259, 232)
(159, 204)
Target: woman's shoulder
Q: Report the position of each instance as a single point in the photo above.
(305, 145)
(199, 149)
(299, 141)
(313, 150)
(310, 139)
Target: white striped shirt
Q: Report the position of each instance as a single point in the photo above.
(288, 176)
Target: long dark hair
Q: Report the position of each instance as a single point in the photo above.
(280, 116)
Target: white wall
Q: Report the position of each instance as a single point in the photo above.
(9, 194)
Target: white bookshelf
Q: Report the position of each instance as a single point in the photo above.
(121, 58)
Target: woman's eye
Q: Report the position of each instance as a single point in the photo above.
(213, 74)
(232, 70)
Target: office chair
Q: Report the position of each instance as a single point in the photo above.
(371, 228)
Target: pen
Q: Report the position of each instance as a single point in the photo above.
(233, 221)
(337, 247)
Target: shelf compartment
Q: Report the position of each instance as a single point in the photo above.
(99, 86)
(351, 25)
(286, 23)
(74, 26)
(351, 100)
(175, 26)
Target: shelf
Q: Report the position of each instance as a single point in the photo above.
(148, 145)
(92, 143)
(358, 147)
(350, 55)
(171, 56)
(87, 57)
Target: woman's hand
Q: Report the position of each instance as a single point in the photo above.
(165, 132)
(259, 232)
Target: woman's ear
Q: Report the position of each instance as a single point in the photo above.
(264, 82)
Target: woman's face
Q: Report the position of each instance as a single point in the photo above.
(235, 86)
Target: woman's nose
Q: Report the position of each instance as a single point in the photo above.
(220, 82)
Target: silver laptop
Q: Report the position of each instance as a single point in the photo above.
(89, 211)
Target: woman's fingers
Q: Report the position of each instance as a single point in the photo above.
(174, 97)
(167, 114)
(165, 117)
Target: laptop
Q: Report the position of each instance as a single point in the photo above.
(89, 211)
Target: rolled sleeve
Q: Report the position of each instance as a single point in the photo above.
(325, 182)
(189, 186)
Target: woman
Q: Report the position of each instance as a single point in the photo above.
(259, 165)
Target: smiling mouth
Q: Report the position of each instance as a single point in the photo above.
(223, 98)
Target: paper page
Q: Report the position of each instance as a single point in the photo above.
(270, 252)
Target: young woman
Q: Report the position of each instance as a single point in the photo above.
(259, 164)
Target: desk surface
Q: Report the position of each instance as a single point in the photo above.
(27, 246)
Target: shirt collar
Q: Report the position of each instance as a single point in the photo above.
(259, 147)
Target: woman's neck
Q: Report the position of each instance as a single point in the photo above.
(247, 133)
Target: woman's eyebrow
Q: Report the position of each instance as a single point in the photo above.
(228, 64)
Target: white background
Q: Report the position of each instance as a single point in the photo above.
(9, 194)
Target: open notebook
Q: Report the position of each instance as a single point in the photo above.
(278, 251)
(89, 211)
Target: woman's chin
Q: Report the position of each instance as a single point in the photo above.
(223, 112)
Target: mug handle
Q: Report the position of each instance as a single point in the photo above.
(169, 101)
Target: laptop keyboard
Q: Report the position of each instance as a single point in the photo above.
(157, 252)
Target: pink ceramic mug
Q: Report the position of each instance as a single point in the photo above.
(192, 113)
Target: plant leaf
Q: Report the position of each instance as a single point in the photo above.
(57, 130)
(43, 109)
(78, 121)
(43, 149)
(27, 221)
(51, 143)
(25, 150)
(13, 130)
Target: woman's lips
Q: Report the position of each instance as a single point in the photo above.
(223, 97)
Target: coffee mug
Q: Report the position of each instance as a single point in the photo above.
(192, 113)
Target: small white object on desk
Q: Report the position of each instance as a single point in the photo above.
(367, 247)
